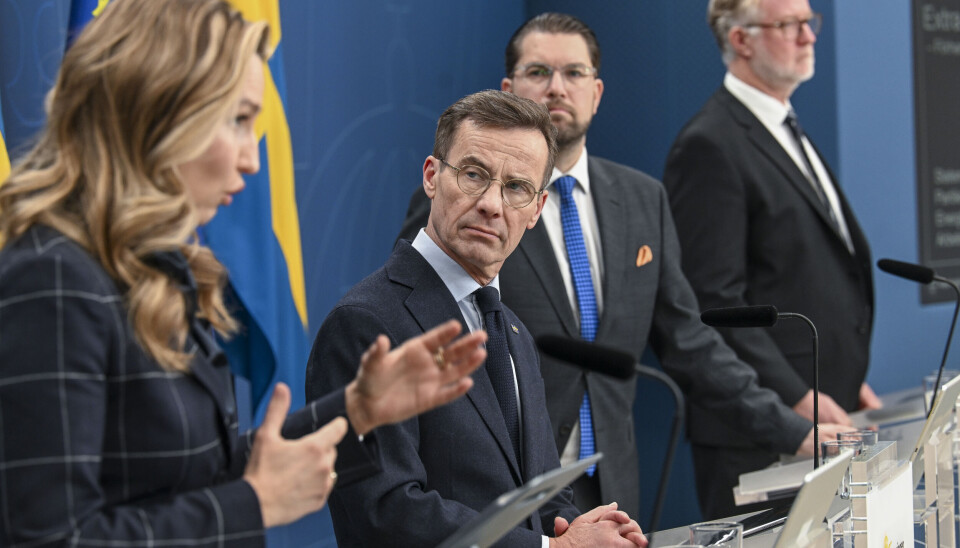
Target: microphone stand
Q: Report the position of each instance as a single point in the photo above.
(943, 362)
(816, 384)
(676, 430)
(925, 275)
(767, 316)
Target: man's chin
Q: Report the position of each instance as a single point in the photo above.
(569, 136)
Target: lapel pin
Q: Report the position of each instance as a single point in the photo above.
(515, 330)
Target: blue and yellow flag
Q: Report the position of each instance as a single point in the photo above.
(4, 157)
(258, 239)
(258, 236)
(81, 13)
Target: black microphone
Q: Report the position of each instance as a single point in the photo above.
(740, 316)
(916, 272)
(766, 316)
(621, 365)
(593, 357)
(925, 275)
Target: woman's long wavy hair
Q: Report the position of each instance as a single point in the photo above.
(141, 91)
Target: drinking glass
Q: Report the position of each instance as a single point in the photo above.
(832, 449)
(867, 438)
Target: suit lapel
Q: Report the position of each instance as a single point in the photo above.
(209, 368)
(538, 251)
(431, 304)
(613, 234)
(860, 247)
(767, 144)
(523, 356)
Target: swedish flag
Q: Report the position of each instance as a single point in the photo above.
(81, 13)
(258, 239)
(4, 158)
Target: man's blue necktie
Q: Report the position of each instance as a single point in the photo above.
(586, 299)
(498, 365)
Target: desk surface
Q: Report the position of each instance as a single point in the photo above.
(764, 539)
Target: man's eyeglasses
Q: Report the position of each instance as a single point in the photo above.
(539, 74)
(474, 181)
(790, 28)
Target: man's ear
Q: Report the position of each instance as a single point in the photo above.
(542, 199)
(598, 92)
(506, 85)
(431, 168)
(740, 42)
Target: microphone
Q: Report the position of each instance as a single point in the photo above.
(593, 357)
(621, 365)
(766, 316)
(916, 272)
(741, 316)
(925, 275)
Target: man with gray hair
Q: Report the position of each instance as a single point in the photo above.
(492, 156)
(762, 221)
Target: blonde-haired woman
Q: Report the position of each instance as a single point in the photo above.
(117, 420)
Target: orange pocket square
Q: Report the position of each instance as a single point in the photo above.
(644, 256)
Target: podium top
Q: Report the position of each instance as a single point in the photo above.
(940, 413)
(813, 501)
(510, 508)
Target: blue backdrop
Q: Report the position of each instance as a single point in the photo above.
(367, 80)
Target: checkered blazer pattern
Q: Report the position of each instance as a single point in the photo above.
(99, 446)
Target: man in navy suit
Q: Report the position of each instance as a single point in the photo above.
(762, 220)
(492, 155)
(639, 294)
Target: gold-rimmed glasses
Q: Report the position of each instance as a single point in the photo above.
(790, 28)
(540, 74)
(474, 181)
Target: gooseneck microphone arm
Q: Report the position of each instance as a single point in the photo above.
(925, 275)
(676, 430)
(767, 316)
(943, 361)
(816, 384)
(620, 365)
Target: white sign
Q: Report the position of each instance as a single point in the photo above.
(890, 512)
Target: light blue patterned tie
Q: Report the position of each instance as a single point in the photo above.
(586, 299)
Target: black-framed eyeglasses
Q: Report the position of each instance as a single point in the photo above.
(790, 28)
(540, 74)
(474, 181)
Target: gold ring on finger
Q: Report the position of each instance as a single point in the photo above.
(440, 359)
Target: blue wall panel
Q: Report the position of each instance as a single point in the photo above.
(367, 80)
(875, 107)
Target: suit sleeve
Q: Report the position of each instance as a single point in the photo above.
(356, 458)
(61, 334)
(710, 373)
(391, 508)
(712, 208)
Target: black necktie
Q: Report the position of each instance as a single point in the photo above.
(498, 363)
(797, 132)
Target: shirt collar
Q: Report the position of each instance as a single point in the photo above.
(458, 282)
(768, 110)
(578, 171)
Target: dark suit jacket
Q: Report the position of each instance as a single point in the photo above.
(754, 232)
(442, 467)
(652, 303)
(98, 444)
